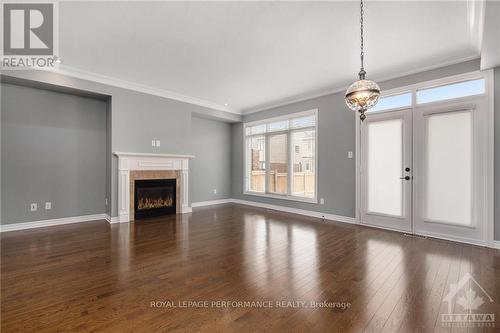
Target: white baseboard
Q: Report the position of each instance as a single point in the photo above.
(211, 202)
(337, 218)
(454, 239)
(116, 219)
(186, 209)
(112, 219)
(52, 222)
(326, 216)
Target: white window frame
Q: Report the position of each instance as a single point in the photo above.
(489, 150)
(266, 193)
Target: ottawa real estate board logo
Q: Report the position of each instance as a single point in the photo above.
(29, 35)
(468, 305)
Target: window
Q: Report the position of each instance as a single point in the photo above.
(393, 102)
(428, 95)
(450, 91)
(281, 157)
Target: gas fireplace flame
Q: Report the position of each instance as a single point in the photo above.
(148, 203)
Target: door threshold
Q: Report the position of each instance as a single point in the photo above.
(414, 236)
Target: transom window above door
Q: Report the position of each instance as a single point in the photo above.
(280, 157)
(430, 94)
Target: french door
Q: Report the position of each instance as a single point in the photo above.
(386, 170)
(450, 170)
(423, 170)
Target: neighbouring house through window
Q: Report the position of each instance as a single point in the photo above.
(281, 157)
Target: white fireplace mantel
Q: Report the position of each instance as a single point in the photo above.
(144, 161)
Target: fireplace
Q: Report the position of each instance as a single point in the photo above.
(154, 197)
(138, 166)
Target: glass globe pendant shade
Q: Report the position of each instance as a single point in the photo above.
(362, 95)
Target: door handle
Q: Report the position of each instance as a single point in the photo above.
(405, 178)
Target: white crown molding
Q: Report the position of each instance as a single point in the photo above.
(475, 22)
(475, 34)
(50, 223)
(344, 87)
(112, 81)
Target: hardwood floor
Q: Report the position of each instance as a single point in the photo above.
(96, 277)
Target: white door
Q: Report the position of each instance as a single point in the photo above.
(449, 170)
(386, 171)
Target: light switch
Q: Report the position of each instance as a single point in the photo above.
(322, 201)
(153, 143)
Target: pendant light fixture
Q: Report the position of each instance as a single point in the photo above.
(362, 94)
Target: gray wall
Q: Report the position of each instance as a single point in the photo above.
(336, 137)
(497, 153)
(211, 169)
(136, 119)
(53, 149)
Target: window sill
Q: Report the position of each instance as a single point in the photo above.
(282, 197)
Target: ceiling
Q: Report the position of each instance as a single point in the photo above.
(254, 55)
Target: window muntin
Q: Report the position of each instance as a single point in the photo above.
(451, 91)
(286, 164)
(393, 102)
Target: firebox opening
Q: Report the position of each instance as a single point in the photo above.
(154, 197)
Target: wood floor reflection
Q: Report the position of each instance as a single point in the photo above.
(175, 273)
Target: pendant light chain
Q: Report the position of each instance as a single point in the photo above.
(362, 94)
(362, 72)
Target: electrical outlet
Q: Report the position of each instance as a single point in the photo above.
(153, 143)
(322, 201)
(48, 205)
(349, 154)
(157, 143)
(33, 207)
(215, 191)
